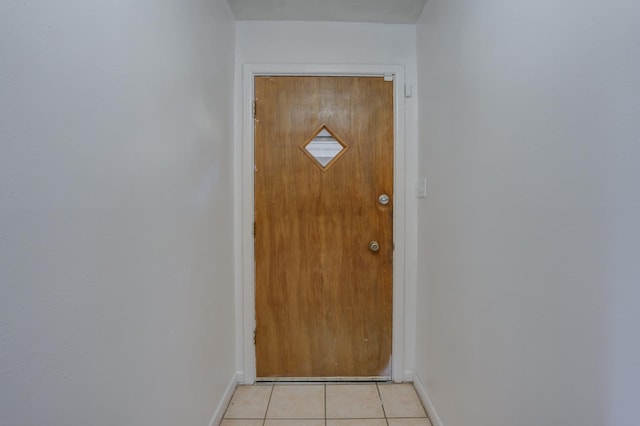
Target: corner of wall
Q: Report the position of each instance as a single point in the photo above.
(426, 401)
(408, 376)
(226, 398)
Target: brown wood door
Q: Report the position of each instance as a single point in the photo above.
(323, 297)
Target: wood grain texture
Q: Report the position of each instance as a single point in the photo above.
(323, 299)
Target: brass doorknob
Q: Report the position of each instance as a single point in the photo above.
(374, 246)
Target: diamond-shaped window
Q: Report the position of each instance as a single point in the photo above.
(324, 148)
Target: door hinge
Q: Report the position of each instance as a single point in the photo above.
(254, 336)
(254, 229)
(254, 109)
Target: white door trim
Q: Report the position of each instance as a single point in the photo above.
(250, 71)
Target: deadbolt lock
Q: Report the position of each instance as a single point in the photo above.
(374, 246)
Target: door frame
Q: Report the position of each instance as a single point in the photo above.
(246, 249)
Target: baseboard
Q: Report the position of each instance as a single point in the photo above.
(224, 401)
(408, 376)
(426, 401)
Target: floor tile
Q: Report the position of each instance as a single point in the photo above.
(295, 422)
(297, 401)
(353, 402)
(357, 422)
(243, 422)
(249, 402)
(401, 400)
(409, 422)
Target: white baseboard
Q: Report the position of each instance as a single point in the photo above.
(426, 401)
(408, 376)
(224, 401)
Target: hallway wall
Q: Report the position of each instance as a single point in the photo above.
(529, 237)
(116, 277)
(339, 43)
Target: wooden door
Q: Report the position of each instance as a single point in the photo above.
(323, 296)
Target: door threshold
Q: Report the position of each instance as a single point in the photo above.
(325, 379)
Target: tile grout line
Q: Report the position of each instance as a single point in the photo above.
(264, 421)
(382, 404)
(325, 404)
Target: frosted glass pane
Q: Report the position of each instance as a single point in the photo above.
(324, 147)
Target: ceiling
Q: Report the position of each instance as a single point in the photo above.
(380, 11)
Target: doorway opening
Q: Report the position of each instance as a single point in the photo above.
(326, 148)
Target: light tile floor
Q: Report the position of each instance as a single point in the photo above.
(366, 404)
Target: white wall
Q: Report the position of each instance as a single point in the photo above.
(339, 43)
(530, 239)
(115, 211)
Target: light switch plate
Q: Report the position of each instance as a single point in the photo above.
(421, 188)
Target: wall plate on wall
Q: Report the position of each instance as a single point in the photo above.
(421, 188)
